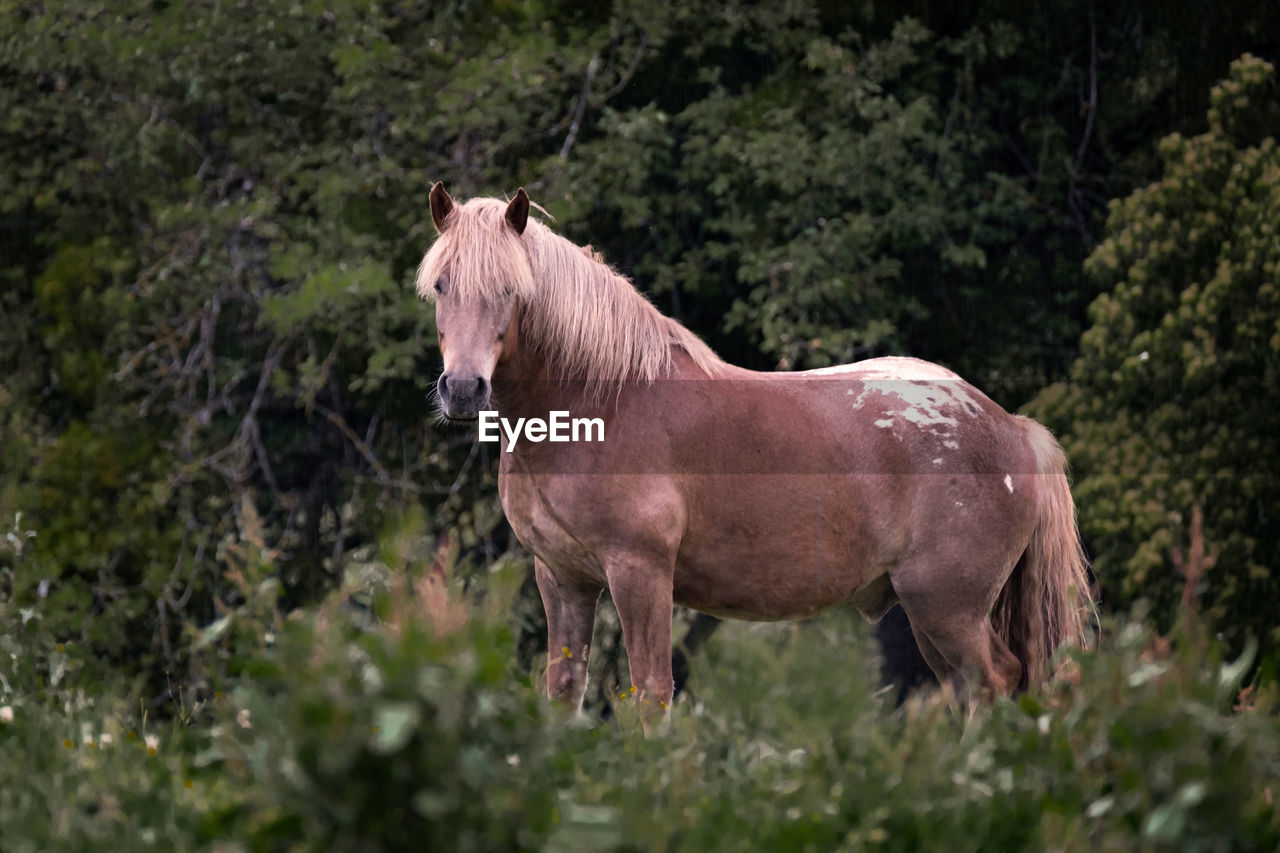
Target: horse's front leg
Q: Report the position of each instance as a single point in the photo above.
(571, 616)
(642, 594)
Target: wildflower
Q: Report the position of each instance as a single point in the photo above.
(633, 689)
(242, 719)
(186, 783)
(567, 653)
(88, 741)
(67, 743)
(153, 743)
(105, 738)
(6, 714)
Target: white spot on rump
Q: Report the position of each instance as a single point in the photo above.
(1008, 483)
(938, 461)
(936, 402)
(884, 423)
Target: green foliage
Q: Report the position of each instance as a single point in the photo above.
(829, 183)
(79, 769)
(212, 303)
(419, 734)
(415, 731)
(1172, 402)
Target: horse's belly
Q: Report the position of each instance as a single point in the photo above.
(783, 568)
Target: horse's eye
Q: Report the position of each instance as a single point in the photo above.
(439, 288)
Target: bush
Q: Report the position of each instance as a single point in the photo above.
(790, 750)
(418, 734)
(81, 768)
(409, 726)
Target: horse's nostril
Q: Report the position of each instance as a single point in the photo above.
(482, 388)
(442, 387)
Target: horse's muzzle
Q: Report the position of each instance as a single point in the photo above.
(462, 397)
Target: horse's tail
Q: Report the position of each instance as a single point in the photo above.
(1048, 600)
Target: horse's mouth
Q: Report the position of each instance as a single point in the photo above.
(445, 417)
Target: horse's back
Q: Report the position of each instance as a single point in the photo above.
(884, 368)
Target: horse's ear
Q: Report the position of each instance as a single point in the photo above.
(441, 206)
(518, 211)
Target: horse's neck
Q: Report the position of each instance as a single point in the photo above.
(525, 387)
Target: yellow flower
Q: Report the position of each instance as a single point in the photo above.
(67, 743)
(186, 783)
(633, 689)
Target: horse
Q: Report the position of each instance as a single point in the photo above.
(743, 494)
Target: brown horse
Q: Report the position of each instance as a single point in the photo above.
(743, 494)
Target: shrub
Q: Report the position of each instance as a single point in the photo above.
(416, 734)
(415, 729)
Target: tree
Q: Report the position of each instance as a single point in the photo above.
(1174, 400)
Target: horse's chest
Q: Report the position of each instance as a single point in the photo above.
(533, 518)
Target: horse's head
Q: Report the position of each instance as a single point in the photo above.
(474, 273)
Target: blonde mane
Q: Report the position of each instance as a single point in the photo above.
(586, 318)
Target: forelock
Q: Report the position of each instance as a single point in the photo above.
(480, 255)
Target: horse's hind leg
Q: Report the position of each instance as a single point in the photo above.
(704, 625)
(969, 646)
(955, 628)
(571, 616)
(934, 658)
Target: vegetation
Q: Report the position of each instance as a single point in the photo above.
(221, 488)
(1171, 401)
(422, 732)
